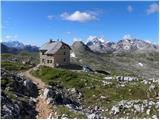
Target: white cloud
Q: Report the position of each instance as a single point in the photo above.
(78, 16)
(130, 9)
(67, 33)
(10, 37)
(153, 8)
(77, 39)
(127, 36)
(50, 17)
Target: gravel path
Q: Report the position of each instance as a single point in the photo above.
(43, 109)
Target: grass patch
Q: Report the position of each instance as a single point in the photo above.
(67, 78)
(10, 95)
(68, 113)
(14, 66)
(7, 55)
(7, 82)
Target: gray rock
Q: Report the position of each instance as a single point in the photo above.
(50, 100)
(115, 110)
(148, 111)
(91, 116)
(46, 93)
(154, 117)
(28, 84)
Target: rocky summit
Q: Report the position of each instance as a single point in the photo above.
(130, 45)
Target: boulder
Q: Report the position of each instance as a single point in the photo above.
(91, 116)
(30, 88)
(137, 107)
(46, 93)
(28, 84)
(154, 117)
(115, 110)
(50, 100)
(148, 111)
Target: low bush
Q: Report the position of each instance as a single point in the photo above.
(13, 66)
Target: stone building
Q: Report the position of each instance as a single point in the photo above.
(55, 54)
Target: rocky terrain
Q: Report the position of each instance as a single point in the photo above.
(83, 95)
(17, 96)
(70, 94)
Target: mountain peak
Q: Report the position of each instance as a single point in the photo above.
(127, 43)
(79, 46)
(14, 44)
(20, 46)
(95, 39)
(99, 44)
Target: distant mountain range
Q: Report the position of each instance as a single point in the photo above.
(5, 49)
(94, 44)
(16, 46)
(125, 45)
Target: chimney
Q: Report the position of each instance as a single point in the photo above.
(50, 41)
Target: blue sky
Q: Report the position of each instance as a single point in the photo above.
(36, 22)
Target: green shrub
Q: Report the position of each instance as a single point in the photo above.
(14, 66)
(69, 114)
(7, 82)
(10, 95)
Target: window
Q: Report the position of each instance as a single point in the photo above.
(43, 61)
(63, 47)
(49, 61)
(64, 59)
(64, 53)
(43, 53)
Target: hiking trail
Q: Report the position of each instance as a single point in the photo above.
(43, 109)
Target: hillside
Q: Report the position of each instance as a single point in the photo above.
(93, 95)
(140, 63)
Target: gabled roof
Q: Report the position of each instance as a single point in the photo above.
(52, 47)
